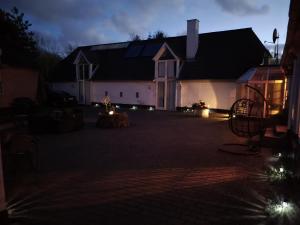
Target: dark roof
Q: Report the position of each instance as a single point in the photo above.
(225, 55)
(221, 55)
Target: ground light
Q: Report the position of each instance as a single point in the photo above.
(96, 105)
(205, 113)
(282, 209)
(281, 170)
(278, 174)
(151, 108)
(111, 112)
(118, 107)
(133, 107)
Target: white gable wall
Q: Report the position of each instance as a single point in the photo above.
(146, 90)
(216, 94)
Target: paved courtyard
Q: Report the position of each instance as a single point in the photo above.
(164, 169)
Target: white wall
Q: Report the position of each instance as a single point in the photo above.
(216, 94)
(70, 87)
(146, 91)
(294, 99)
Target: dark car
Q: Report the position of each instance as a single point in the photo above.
(61, 99)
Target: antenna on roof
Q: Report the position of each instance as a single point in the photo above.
(276, 39)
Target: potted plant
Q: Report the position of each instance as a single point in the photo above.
(201, 109)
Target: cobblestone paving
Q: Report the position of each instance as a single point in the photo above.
(164, 169)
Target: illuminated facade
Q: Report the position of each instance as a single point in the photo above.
(163, 73)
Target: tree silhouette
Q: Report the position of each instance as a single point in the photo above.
(157, 35)
(16, 41)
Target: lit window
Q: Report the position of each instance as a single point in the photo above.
(137, 94)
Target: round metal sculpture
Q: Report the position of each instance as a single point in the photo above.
(246, 118)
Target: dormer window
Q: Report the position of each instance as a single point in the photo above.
(161, 69)
(83, 72)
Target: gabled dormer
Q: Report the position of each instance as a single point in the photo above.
(84, 67)
(166, 63)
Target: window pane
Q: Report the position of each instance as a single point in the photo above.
(161, 69)
(171, 72)
(80, 72)
(161, 94)
(86, 71)
(83, 71)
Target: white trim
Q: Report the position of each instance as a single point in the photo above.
(161, 51)
(93, 71)
(80, 53)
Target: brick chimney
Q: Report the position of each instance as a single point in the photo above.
(192, 38)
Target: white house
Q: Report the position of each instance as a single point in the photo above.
(164, 73)
(291, 63)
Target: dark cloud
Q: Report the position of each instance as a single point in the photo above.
(242, 7)
(91, 21)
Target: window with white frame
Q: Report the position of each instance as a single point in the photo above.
(171, 70)
(83, 72)
(161, 69)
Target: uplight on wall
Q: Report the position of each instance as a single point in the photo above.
(134, 107)
(205, 113)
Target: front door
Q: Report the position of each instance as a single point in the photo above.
(166, 85)
(81, 92)
(161, 95)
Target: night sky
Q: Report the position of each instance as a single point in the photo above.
(85, 22)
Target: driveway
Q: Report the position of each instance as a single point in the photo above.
(164, 169)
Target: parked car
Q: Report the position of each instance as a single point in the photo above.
(23, 105)
(61, 99)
